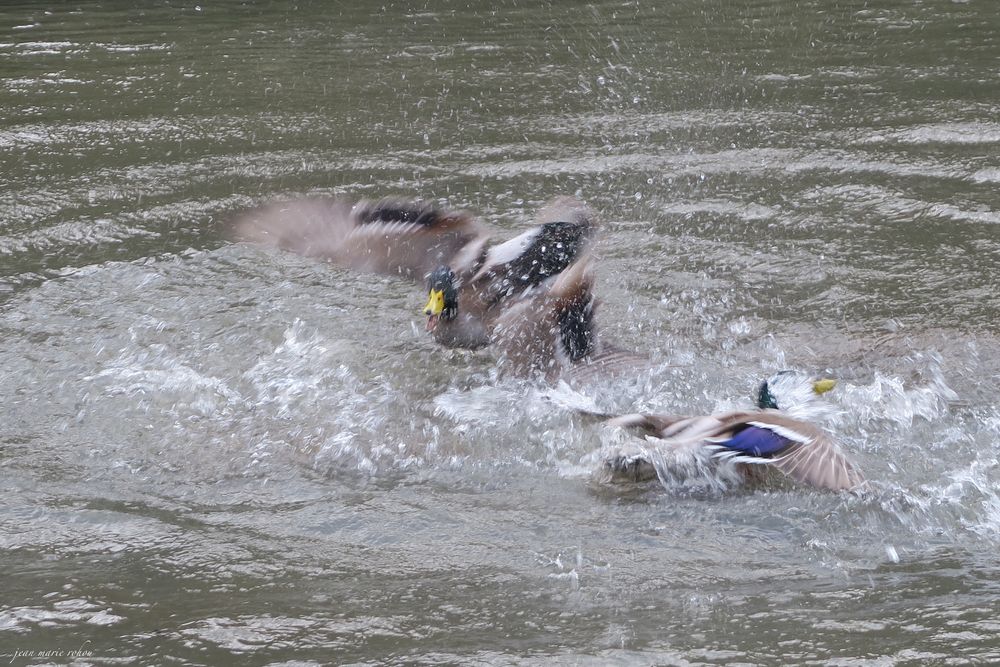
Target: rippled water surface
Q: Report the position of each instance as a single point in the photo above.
(215, 454)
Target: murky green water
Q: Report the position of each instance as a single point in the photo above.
(211, 454)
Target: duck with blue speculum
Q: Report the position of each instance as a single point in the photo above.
(772, 438)
(470, 281)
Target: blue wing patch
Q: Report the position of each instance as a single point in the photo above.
(756, 441)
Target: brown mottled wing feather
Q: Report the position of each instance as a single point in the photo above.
(525, 335)
(403, 237)
(817, 461)
(533, 333)
(668, 438)
(391, 236)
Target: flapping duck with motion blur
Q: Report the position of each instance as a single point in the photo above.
(471, 282)
(756, 442)
(531, 296)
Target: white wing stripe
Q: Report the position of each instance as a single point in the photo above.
(508, 251)
(783, 431)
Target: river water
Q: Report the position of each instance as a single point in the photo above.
(215, 454)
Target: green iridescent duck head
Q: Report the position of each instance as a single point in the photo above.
(786, 389)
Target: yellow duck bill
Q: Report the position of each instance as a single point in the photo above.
(824, 385)
(434, 308)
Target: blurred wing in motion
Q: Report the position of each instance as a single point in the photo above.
(552, 328)
(391, 236)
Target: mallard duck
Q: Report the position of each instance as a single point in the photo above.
(470, 283)
(767, 438)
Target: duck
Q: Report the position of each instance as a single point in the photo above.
(470, 280)
(775, 437)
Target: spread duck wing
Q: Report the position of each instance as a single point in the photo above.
(391, 236)
(561, 237)
(552, 328)
(798, 449)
